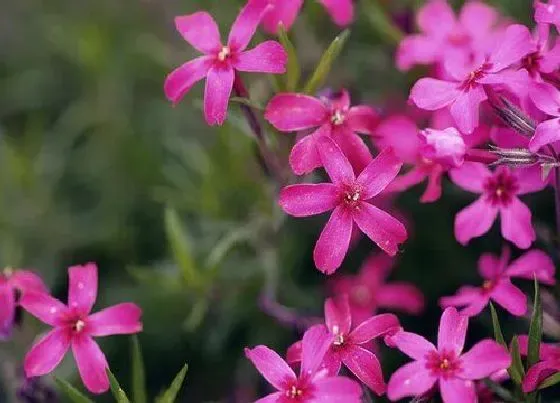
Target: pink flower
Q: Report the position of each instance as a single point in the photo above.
(314, 384)
(368, 290)
(546, 59)
(75, 327)
(454, 372)
(286, 12)
(334, 118)
(443, 36)
(13, 282)
(497, 286)
(548, 13)
(547, 98)
(445, 147)
(466, 92)
(548, 365)
(499, 195)
(220, 62)
(350, 198)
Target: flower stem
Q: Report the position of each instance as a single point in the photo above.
(480, 155)
(382, 23)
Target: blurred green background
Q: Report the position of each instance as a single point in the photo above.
(96, 165)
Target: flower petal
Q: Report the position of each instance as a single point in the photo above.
(403, 297)
(353, 147)
(92, 364)
(365, 365)
(432, 94)
(433, 190)
(510, 297)
(373, 327)
(290, 112)
(417, 49)
(336, 390)
(44, 307)
(529, 179)
(333, 243)
(304, 157)
(7, 310)
(293, 354)
(337, 315)
(516, 224)
(413, 345)
(82, 290)
(465, 109)
(284, 12)
(246, 24)
(47, 353)
(271, 366)
(382, 228)
(335, 162)
(546, 97)
(471, 176)
(490, 266)
(266, 57)
(275, 397)
(548, 132)
(516, 43)
(308, 199)
(538, 373)
(118, 319)
(452, 331)
(219, 83)
(474, 220)
(406, 181)
(485, 358)
(379, 173)
(412, 379)
(471, 298)
(436, 17)
(401, 134)
(534, 263)
(477, 17)
(200, 30)
(457, 390)
(182, 79)
(341, 11)
(315, 344)
(362, 119)
(25, 280)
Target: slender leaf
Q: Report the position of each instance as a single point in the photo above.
(170, 394)
(498, 335)
(379, 20)
(247, 102)
(535, 329)
(180, 246)
(138, 374)
(516, 371)
(118, 393)
(325, 64)
(550, 381)
(71, 392)
(293, 71)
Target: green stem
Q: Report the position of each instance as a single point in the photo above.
(382, 23)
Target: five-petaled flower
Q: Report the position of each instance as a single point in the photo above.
(445, 365)
(75, 326)
(220, 62)
(547, 98)
(314, 383)
(350, 198)
(497, 286)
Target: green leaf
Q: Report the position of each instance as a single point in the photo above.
(498, 335)
(324, 67)
(71, 392)
(138, 374)
(516, 371)
(170, 394)
(535, 329)
(180, 246)
(247, 102)
(550, 381)
(118, 393)
(381, 22)
(293, 71)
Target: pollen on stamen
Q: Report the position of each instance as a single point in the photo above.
(337, 118)
(224, 53)
(293, 392)
(79, 326)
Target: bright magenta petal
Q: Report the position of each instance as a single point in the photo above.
(373, 327)
(538, 373)
(382, 228)
(337, 315)
(477, 17)
(354, 148)
(474, 220)
(529, 179)
(433, 190)
(7, 310)
(471, 298)
(516, 43)
(271, 366)
(457, 390)
(548, 132)
(432, 94)
(44, 307)
(219, 84)
(341, 11)
(82, 290)
(365, 365)
(335, 162)
(379, 173)
(534, 263)
(118, 319)
(182, 79)
(336, 390)
(25, 280)
(407, 180)
(291, 112)
(315, 343)
(362, 119)
(246, 24)
(510, 297)
(465, 109)
(308, 199)
(436, 17)
(485, 358)
(284, 12)
(417, 49)
(200, 30)
(413, 345)
(333, 243)
(412, 379)
(92, 364)
(452, 331)
(276, 397)
(304, 157)
(266, 57)
(546, 97)
(516, 224)
(400, 296)
(490, 266)
(471, 176)
(47, 353)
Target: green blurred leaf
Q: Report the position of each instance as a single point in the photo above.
(550, 381)
(325, 64)
(517, 372)
(247, 102)
(170, 394)
(293, 70)
(71, 392)
(498, 335)
(381, 22)
(118, 393)
(138, 374)
(535, 329)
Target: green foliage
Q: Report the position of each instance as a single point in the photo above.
(118, 393)
(498, 335)
(550, 381)
(73, 394)
(293, 70)
(535, 329)
(516, 369)
(138, 373)
(170, 394)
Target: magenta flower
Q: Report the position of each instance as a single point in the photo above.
(286, 12)
(220, 62)
(548, 365)
(547, 98)
(546, 59)
(75, 327)
(368, 291)
(314, 384)
(13, 282)
(445, 365)
(445, 147)
(464, 94)
(548, 13)
(334, 118)
(443, 36)
(499, 195)
(497, 286)
(350, 198)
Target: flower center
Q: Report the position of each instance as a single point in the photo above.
(476, 75)
(501, 188)
(458, 38)
(532, 62)
(443, 364)
(351, 196)
(78, 326)
(338, 336)
(224, 53)
(487, 285)
(8, 272)
(294, 392)
(361, 295)
(337, 118)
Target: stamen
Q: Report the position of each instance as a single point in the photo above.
(293, 392)
(487, 285)
(79, 326)
(224, 53)
(444, 364)
(337, 118)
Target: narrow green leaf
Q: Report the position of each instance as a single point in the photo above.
(381, 22)
(324, 67)
(550, 381)
(516, 371)
(247, 102)
(535, 329)
(71, 392)
(498, 335)
(293, 71)
(118, 393)
(180, 246)
(138, 374)
(170, 394)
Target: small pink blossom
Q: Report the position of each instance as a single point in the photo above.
(445, 365)
(334, 118)
(350, 198)
(13, 282)
(220, 62)
(464, 93)
(497, 274)
(286, 12)
(499, 192)
(547, 98)
(548, 365)
(75, 327)
(548, 13)
(546, 58)
(314, 384)
(368, 291)
(445, 147)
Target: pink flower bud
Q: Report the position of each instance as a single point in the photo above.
(445, 147)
